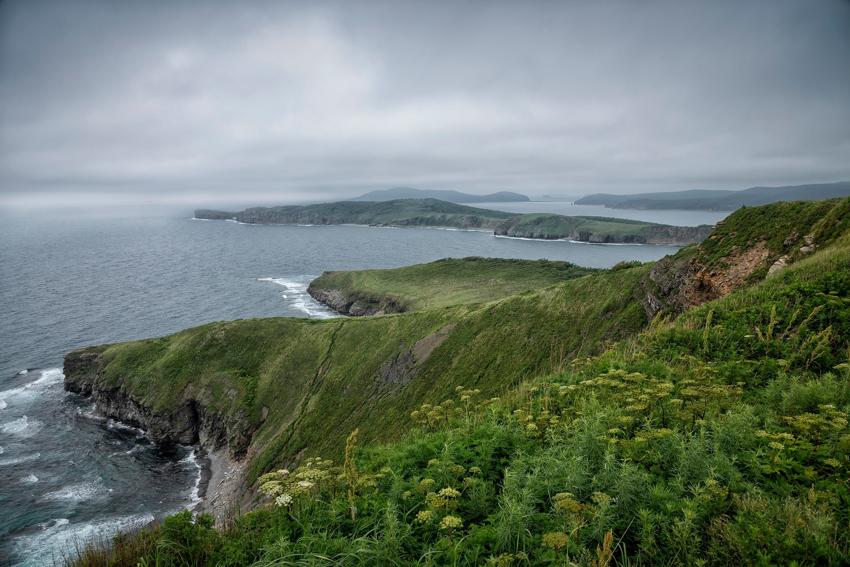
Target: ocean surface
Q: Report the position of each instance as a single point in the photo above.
(71, 279)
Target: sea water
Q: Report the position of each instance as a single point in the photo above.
(74, 278)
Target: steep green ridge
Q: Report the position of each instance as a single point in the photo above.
(719, 200)
(397, 212)
(436, 213)
(319, 378)
(599, 229)
(744, 249)
(442, 283)
(720, 438)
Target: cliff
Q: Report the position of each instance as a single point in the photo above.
(745, 248)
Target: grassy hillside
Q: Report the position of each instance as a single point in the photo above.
(318, 378)
(599, 229)
(397, 212)
(437, 284)
(721, 438)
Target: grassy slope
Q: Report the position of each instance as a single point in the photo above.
(320, 378)
(719, 439)
(448, 282)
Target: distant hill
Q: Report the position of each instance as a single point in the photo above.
(398, 212)
(719, 200)
(436, 213)
(443, 195)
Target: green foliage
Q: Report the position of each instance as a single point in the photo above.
(720, 438)
(699, 442)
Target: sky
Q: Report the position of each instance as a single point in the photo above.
(262, 102)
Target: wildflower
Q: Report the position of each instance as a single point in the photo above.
(474, 470)
(564, 502)
(426, 484)
(450, 523)
(284, 500)
(555, 540)
(305, 484)
(449, 492)
(776, 445)
(434, 462)
(424, 517)
(832, 462)
(457, 470)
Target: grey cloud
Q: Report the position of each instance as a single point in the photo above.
(283, 101)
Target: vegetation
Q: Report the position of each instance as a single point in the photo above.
(444, 282)
(437, 213)
(599, 229)
(552, 427)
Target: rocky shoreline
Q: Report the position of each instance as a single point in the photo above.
(222, 451)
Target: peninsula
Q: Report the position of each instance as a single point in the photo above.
(437, 213)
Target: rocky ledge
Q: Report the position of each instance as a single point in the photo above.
(223, 441)
(355, 305)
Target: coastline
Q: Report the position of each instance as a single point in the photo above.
(221, 485)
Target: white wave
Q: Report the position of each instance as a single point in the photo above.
(30, 479)
(117, 425)
(59, 538)
(19, 460)
(46, 379)
(22, 427)
(2, 450)
(608, 243)
(79, 492)
(24, 371)
(190, 461)
(298, 298)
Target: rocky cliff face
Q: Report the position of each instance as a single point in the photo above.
(226, 441)
(355, 305)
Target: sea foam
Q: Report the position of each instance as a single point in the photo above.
(46, 379)
(297, 297)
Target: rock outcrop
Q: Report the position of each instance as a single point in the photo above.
(190, 422)
(355, 305)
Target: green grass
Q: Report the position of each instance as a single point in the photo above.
(447, 282)
(322, 377)
(720, 438)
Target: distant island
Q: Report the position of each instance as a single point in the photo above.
(441, 194)
(437, 213)
(719, 200)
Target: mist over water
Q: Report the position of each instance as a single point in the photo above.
(71, 280)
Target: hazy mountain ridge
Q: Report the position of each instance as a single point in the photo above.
(719, 200)
(442, 194)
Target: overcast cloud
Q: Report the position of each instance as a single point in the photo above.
(204, 102)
